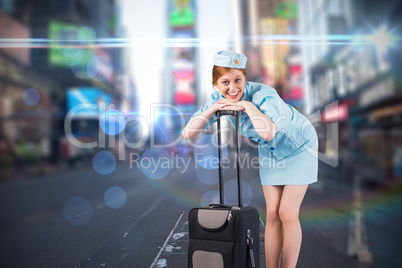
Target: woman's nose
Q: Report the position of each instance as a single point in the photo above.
(232, 87)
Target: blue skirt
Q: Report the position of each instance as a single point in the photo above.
(298, 168)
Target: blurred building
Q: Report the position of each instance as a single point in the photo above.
(181, 69)
(272, 58)
(273, 24)
(355, 86)
(26, 122)
(66, 50)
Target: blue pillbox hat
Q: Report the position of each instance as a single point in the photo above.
(230, 59)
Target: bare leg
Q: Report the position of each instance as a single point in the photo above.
(291, 200)
(273, 230)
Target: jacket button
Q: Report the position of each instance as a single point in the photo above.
(272, 148)
(266, 142)
(259, 140)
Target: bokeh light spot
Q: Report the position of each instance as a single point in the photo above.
(104, 162)
(131, 236)
(155, 163)
(210, 197)
(86, 34)
(68, 34)
(206, 152)
(30, 96)
(100, 68)
(115, 197)
(79, 66)
(258, 193)
(208, 176)
(112, 122)
(77, 211)
(134, 132)
(230, 188)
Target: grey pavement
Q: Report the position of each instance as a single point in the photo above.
(150, 230)
(325, 224)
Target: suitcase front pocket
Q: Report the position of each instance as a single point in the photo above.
(206, 259)
(211, 254)
(213, 220)
(212, 224)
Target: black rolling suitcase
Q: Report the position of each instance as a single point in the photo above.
(224, 235)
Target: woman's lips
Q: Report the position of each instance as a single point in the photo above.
(233, 96)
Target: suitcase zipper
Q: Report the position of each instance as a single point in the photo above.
(250, 246)
(230, 215)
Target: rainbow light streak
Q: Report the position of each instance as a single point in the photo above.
(335, 213)
(379, 37)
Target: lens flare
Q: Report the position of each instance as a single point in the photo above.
(382, 39)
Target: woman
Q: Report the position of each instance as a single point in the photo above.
(287, 149)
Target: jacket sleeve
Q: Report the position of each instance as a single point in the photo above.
(270, 104)
(212, 99)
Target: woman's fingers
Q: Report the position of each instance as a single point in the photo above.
(228, 105)
(231, 107)
(224, 102)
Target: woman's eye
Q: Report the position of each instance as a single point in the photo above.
(237, 80)
(225, 82)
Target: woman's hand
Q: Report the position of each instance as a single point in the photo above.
(262, 124)
(244, 106)
(228, 105)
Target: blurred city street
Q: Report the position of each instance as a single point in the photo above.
(150, 230)
(37, 235)
(95, 94)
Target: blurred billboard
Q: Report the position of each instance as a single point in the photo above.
(85, 96)
(70, 44)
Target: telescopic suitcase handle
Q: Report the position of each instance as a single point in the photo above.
(219, 114)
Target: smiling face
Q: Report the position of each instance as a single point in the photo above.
(231, 84)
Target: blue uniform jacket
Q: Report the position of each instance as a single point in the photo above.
(294, 130)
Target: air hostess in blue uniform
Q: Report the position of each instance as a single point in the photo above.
(288, 147)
